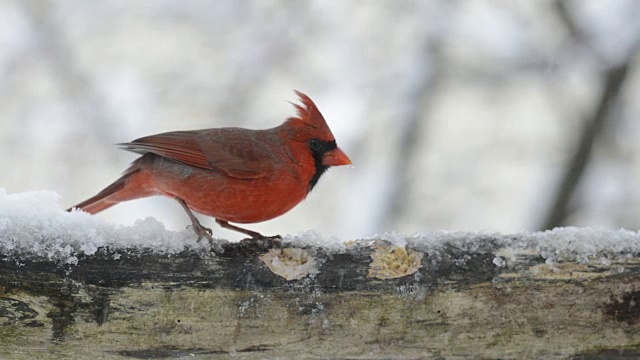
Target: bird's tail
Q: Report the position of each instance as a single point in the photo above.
(128, 187)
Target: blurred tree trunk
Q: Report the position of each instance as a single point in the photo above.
(578, 162)
(411, 130)
(594, 126)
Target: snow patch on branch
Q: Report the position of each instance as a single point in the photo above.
(34, 225)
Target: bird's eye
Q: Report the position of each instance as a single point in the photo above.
(315, 144)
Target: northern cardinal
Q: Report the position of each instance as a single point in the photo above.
(232, 174)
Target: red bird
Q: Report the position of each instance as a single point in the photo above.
(232, 174)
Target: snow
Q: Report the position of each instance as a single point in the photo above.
(314, 238)
(35, 225)
(499, 261)
(561, 244)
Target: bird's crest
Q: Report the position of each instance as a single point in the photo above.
(309, 114)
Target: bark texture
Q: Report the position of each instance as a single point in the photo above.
(142, 305)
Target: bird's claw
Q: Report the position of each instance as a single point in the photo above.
(202, 231)
(264, 241)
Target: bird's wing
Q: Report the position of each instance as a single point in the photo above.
(233, 151)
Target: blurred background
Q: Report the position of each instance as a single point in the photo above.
(461, 115)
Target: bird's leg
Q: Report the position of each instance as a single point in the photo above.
(254, 235)
(197, 227)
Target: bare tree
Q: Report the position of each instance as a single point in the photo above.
(614, 79)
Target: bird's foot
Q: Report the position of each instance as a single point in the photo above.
(266, 242)
(202, 231)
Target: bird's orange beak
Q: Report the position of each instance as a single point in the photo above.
(335, 157)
